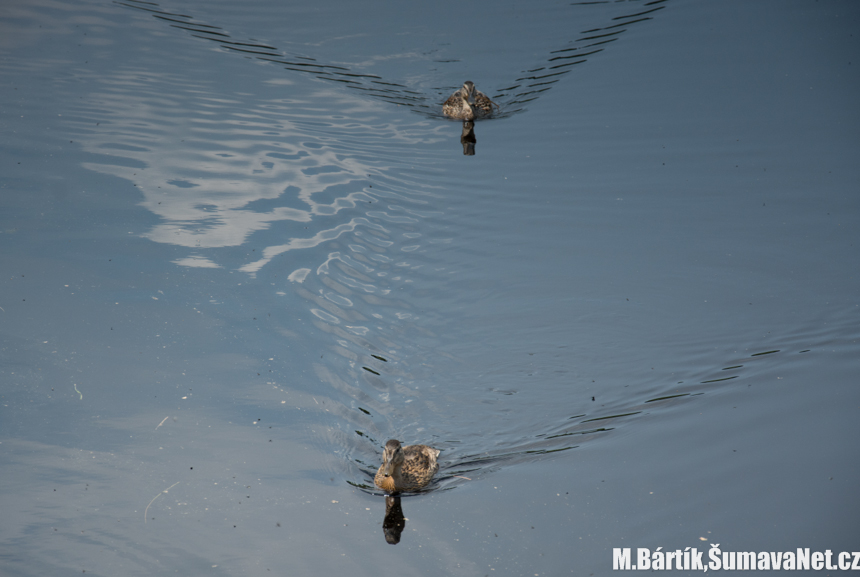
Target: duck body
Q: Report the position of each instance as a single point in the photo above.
(457, 106)
(468, 103)
(483, 104)
(408, 468)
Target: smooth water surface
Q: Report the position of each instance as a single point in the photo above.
(242, 249)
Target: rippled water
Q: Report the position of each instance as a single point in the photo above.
(244, 249)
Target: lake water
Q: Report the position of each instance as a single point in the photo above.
(242, 248)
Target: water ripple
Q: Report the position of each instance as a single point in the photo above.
(317, 186)
(528, 85)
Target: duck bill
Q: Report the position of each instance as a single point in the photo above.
(388, 468)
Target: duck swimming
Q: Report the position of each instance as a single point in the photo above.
(468, 103)
(406, 468)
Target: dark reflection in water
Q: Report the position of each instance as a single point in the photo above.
(394, 521)
(467, 138)
(528, 85)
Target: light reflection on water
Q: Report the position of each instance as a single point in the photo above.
(411, 296)
(216, 180)
(359, 192)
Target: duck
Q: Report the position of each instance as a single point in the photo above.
(468, 103)
(408, 468)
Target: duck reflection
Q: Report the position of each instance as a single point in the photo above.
(467, 104)
(394, 521)
(467, 138)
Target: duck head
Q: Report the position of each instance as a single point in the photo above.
(392, 459)
(468, 91)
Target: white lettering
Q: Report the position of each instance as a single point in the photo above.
(620, 558)
(818, 561)
(746, 561)
(697, 560)
(729, 560)
(669, 556)
(690, 559)
(776, 560)
(788, 561)
(714, 555)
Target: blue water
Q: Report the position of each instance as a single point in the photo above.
(629, 320)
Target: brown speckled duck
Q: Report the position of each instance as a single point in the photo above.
(407, 468)
(468, 103)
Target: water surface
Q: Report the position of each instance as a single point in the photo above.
(629, 320)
